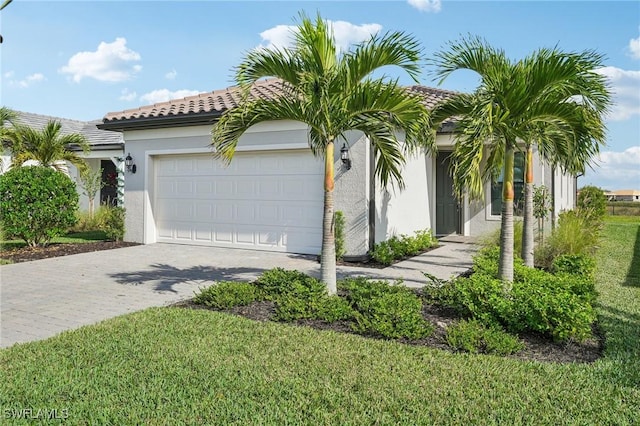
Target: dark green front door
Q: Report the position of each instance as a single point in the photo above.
(447, 209)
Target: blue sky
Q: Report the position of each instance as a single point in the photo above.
(82, 59)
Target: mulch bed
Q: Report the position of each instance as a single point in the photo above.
(537, 347)
(26, 254)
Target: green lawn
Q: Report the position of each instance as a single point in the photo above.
(178, 366)
(72, 237)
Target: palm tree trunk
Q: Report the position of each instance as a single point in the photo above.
(527, 226)
(505, 266)
(328, 256)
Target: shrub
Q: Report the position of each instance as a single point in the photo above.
(113, 225)
(227, 294)
(574, 264)
(574, 235)
(592, 204)
(391, 311)
(299, 296)
(339, 234)
(393, 315)
(556, 305)
(399, 247)
(472, 336)
(278, 281)
(37, 203)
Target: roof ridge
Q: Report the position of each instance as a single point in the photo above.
(52, 116)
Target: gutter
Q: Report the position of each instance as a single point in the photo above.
(164, 121)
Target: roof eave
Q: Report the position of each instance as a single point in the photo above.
(165, 121)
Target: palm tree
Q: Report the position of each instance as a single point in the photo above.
(333, 92)
(6, 129)
(526, 101)
(48, 146)
(573, 138)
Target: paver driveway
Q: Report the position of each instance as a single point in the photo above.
(42, 298)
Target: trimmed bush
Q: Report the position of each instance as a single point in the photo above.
(227, 294)
(299, 296)
(555, 305)
(472, 336)
(391, 311)
(37, 203)
(113, 225)
(400, 247)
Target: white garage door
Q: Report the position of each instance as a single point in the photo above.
(262, 200)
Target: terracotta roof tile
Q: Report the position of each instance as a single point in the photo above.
(216, 102)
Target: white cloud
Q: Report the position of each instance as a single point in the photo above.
(128, 96)
(163, 95)
(25, 82)
(625, 86)
(634, 48)
(426, 5)
(171, 75)
(345, 34)
(110, 62)
(617, 170)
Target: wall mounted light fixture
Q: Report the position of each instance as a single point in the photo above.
(344, 156)
(129, 164)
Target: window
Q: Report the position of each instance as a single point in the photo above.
(518, 187)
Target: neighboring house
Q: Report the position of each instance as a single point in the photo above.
(626, 195)
(270, 197)
(106, 153)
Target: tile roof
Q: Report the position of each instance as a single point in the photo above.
(89, 129)
(213, 104)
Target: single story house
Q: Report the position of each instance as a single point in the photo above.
(629, 195)
(107, 149)
(270, 197)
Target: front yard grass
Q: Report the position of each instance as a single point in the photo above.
(70, 238)
(183, 366)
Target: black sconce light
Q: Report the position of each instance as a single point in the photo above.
(344, 156)
(129, 164)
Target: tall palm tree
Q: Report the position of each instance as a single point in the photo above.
(48, 146)
(569, 140)
(333, 92)
(526, 101)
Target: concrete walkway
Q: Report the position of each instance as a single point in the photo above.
(42, 298)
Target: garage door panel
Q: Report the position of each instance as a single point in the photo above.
(264, 200)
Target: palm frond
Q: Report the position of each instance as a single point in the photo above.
(392, 48)
(236, 121)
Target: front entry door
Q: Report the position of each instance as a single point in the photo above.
(447, 207)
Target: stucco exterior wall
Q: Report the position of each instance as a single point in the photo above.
(350, 194)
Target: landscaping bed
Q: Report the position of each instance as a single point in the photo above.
(26, 254)
(536, 347)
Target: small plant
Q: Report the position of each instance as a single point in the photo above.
(338, 224)
(113, 225)
(91, 182)
(541, 207)
(400, 247)
(472, 336)
(37, 203)
(227, 294)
